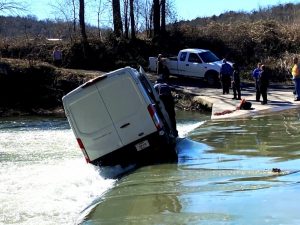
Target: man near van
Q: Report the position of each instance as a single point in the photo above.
(165, 95)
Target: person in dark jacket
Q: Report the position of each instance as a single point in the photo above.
(225, 76)
(57, 56)
(161, 68)
(165, 95)
(263, 81)
(236, 82)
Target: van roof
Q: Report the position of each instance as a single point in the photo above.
(101, 77)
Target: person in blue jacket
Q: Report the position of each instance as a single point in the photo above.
(255, 75)
(225, 76)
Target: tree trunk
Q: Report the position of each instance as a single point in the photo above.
(99, 10)
(132, 21)
(117, 20)
(98, 26)
(163, 16)
(126, 25)
(74, 15)
(82, 21)
(156, 17)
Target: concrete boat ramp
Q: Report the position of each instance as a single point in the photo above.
(224, 107)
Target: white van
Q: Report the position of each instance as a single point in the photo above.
(117, 118)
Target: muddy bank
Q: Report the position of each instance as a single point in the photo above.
(36, 88)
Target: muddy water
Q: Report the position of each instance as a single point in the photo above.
(224, 176)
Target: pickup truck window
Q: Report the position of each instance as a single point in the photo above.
(208, 57)
(182, 56)
(193, 57)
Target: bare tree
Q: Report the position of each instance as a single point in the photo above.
(74, 15)
(100, 10)
(171, 13)
(118, 29)
(128, 5)
(132, 20)
(126, 26)
(147, 14)
(82, 21)
(66, 11)
(143, 15)
(11, 6)
(163, 16)
(156, 17)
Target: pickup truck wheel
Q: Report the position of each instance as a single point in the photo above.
(166, 73)
(212, 79)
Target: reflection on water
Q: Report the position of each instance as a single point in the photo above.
(271, 136)
(224, 176)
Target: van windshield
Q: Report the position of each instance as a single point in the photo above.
(208, 57)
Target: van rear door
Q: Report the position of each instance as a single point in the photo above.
(126, 106)
(91, 122)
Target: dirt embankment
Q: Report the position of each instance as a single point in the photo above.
(36, 88)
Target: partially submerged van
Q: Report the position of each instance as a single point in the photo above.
(117, 118)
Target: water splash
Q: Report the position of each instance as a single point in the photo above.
(185, 128)
(44, 178)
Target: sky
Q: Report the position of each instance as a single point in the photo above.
(186, 9)
(191, 9)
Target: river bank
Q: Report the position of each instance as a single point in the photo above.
(36, 88)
